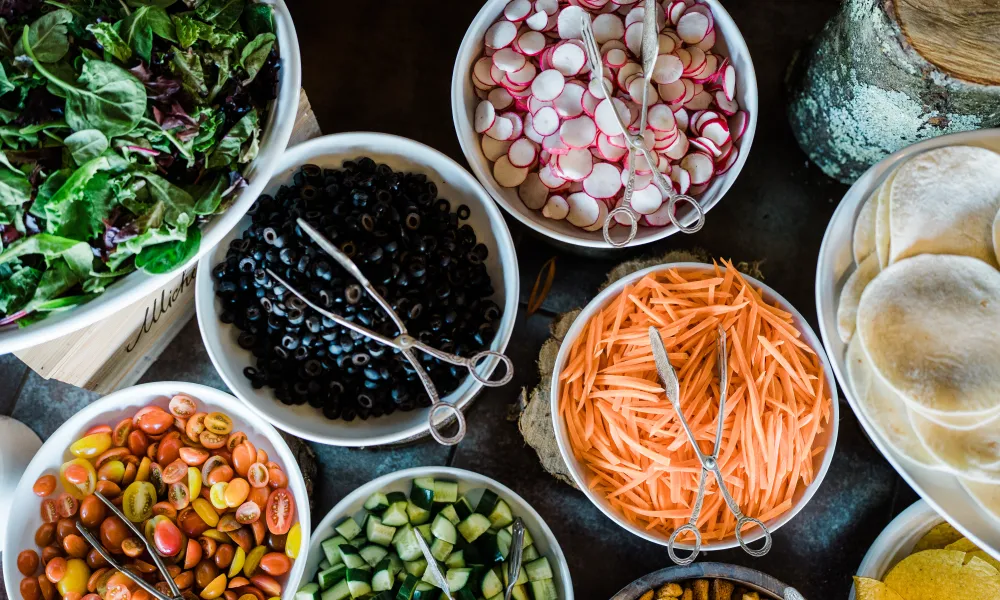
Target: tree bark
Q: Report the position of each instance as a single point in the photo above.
(863, 90)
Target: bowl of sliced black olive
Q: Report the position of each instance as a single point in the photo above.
(284, 321)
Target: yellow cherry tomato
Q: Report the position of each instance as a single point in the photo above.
(239, 559)
(91, 446)
(194, 482)
(218, 495)
(138, 501)
(293, 541)
(215, 588)
(215, 534)
(75, 579)
(253, 560)
(142, 473)
(79, 477)
(205, 511)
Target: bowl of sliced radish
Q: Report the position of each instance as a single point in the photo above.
(543, 139)
(367, 545)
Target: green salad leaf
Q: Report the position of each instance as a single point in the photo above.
(15, 192)
(255, 54)
(221, 13)
(139, 28)
(164, 258)
(108, 37)
(209, 195)
(86, 145)
(187, 65)
(74, 253)
(259, 18)
(5, 84)
(48, 36)
(228, 150)
(78, 207)
(18, 289)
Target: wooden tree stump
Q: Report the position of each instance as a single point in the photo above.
(884, 74)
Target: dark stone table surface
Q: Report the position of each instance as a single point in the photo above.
(385, 65)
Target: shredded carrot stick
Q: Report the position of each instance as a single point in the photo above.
(626, 433)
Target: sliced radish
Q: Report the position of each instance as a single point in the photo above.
(596, 87)
(608, 150)
(661, 118)
(569, 104)
(584, 209)
(646, 200)
(709, 42)
(605, 181)
(682, 117)
(728, 163)
(616, 58)
(568, 59)
(672, 92)
(604, 116)
(692, 27)
(602, 216)
(642, 166)
(685, 56)
(556, 208)
(517, 10)
(668, 69)
(707, 146)
(727, 106)
(576, 164)
(617, 141)
(482, 71)
(738, 125)
(548, 84)
(507, 175)
(608, 27)
(538, 21)
(667, 44)
(716, 130)
(500, 35)
(679, 148)
(530, 43)
(550, 178)
(533, 192)
(710, 72)
(700, 101)
(535, 105)
(697, 64)
(590, 103)
(580, 132)
(494, 149)
(549, 7)
(728, 80)
(545, 121)
(486, 116)
(570, 22)
(500, 99)
(502, 129)
(675, 11)
(518, 122)
(660, 218)
(700, 166)
(522, 153)
(681, 179)
(554, 144)
(641, 181)
(509, 60)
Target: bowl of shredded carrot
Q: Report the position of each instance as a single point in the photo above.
(620, 436)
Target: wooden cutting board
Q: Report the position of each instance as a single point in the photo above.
(114, 353)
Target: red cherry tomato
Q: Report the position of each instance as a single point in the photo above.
(66, 505)
(49, 511)
(280, 511)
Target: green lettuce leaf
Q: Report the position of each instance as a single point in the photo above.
(75, 254)
(107, 35)
(86, 145)
(48, 36)
(164, 258)
(221, 13)
(18, 289)
(228, 150)
(139, 28)
(255, 54)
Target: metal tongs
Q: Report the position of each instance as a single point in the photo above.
(162, 568)
(515, 555)
(650, 52)
(709, 462)
(432, 565)
(403, 342)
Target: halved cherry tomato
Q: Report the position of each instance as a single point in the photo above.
(179, 495)
(276, 477)
(119, 436)
(167, 538)
(218, 495)
(49, 511)
(169, 449)
(91, 445)
(280, 511)
(212, 440)
(182, 406)
(78, 477)
(55, 570)
(235, 439)
(27, 562)
(195, 426)
(98, 429)
(237, 492)
(113, 471)
(247, 513)
(193, 456)
(257, 475)
(137, 443)
(175, 471)
(66, 505)
(155, 421)
(138, 501)
(293, 542)
(44, 485)
(243, 457)
(275, 564)
(218, 423)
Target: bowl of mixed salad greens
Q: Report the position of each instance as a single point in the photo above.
(134, 134)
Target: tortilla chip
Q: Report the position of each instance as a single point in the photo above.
(873, 589)
(937, 574)
(938, 538)
(980, 554)
(962, 545)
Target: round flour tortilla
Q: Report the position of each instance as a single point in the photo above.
(864, 230)
(930, 326)
(850, 296)
(996, 236)
(973, 454)
(882, 238)
(944, 201)
(884, 409)
(987, 495)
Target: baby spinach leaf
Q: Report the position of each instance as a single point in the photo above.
(75, 254)
(223, 72)
(258, 18)
(77, 209)
(58, 278)
(255, 54)
(139, 27)
(17, 289)
(228, 150)
(221, 13)
(5, 84)
(110, 98)
(178, 205)
(164, 258)
(208, 195)
(57, 304)
(48, 37)
(86, 145)
(107, 36)
(15, 192)
(160, 3)
(149, 237)
(187, 65)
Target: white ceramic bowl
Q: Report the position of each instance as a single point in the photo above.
(468, 483)
(454, 183)
(463, 108)
(767, 586)
(134, 287)
(942, 491)
(123, 404)
(897, 541)
(827, 438)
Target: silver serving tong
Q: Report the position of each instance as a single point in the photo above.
(514, 556)
(650, 50)
(708, 462)
(432, 566)
(404, 342)
(162, 568)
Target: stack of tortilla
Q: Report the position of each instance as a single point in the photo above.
(921, 315)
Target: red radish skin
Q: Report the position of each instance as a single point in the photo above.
(522, 153)
(486, 116)
(517, 10)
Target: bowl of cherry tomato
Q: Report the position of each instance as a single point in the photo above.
(215, 490)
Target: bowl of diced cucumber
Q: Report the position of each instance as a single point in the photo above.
(366, 547)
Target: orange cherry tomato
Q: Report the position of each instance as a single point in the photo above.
(247, 513)
(182, 406)
(155, 421)
(49, 511)
(244, 456)
(193, 456)
(175, 472)
(275, 564)
(98, 429)
(66, 505)
(257, 475)
(119, 436)
(55, 570)
(169, 449)
(235, 439)
(179, 495)
(277, 477)
(44, 485)
(280, 511)
(195, 426)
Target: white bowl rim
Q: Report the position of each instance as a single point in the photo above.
(574, 467)
(126, 397)
(135, 286)
(590, 239)
(340, 510)
(301, 153)
(828, 331)
(888, 541)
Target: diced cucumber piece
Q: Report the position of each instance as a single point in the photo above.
(501, 515)
(425, 532)
(445, 491)
(492, 585)
(422, 492)
(539, 569)
(407, 588)
(330, 549)
(385, 575)
(417, 515)
(426, 591)
(348, 528)
(449, 513)
(465, 594)
(416, 567)
(373, 554)
(544, 589)
(520, 592)
(309, 591)
(405, 544)
(473, 527)
(504, 539)
(428, 577)
(331, 576)
(488, 546)
(522, 576)
(443, 529)
(441, 549)
(463, 508)
(350, 556)
(458, 578)
(455, 559)
(324, 565)
(530, 553)
(471, 553)
(487, 502)
(527, 535)
(395, 515)
(378, 532)
(359, 582)
(376, 503)
(341, 591)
